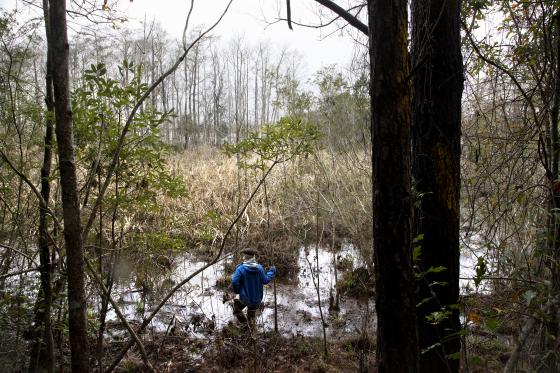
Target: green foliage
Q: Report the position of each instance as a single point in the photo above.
(529, 296)
(291, 98)
(481, 270)
(342, 108)
(436, 269)
(417, 249)
(275, 143)
(438, 317)
(356, 283)
(101, 107)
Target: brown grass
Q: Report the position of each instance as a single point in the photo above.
(334, 186)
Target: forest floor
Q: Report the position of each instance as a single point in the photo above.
(234, 349)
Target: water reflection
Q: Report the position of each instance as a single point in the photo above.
(200, 300)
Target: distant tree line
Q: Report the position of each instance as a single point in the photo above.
(227, 88)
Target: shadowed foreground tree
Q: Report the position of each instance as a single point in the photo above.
(390, 93)
(42, 352)
(397, 341)
(437, 89)
(436, 113)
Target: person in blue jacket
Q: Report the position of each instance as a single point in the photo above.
(247, 281)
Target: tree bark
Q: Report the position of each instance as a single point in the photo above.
(550, 350)
(42, 352)
(58, 46)
(397, 340)
(437, 89)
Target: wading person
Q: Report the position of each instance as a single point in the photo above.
(247, 281)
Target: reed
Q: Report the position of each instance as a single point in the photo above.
(216, 186)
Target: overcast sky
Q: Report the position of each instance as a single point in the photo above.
(245, 18)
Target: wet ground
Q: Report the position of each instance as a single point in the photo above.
(199, 306)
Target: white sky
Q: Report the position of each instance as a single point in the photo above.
(245, 18)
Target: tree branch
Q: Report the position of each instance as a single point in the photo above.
(42, 202)
(347, 16)
(289, 14)
(106, 293)
(18, 273)
(19, 252)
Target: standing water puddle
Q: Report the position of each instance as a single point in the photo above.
(201, 300)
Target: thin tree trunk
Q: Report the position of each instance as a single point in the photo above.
(58, 46)
(553, 259)
(42, 353)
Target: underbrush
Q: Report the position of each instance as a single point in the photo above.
(237, 350)
(357, 283)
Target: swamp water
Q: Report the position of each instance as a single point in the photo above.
(201, 300)
(199, 305)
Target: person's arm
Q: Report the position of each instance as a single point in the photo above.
(268, 276)
(236, 280)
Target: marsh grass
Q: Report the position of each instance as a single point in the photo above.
(277, 222)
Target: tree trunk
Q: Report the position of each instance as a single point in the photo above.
(58, 46)
(42, 352)
(437, 89)
(397, 341)
(550, 347)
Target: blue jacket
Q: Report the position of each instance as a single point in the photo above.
(248, 280)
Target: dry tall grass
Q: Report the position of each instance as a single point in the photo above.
(335, 187)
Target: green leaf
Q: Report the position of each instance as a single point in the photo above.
(454, 356)
(492, 324)
(436, 269)
(529, 295)
(481, 270)
(416, 253)
(425, 300)
(429, 348)
(418, 238)
(439, 283)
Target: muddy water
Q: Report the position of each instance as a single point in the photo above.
(201, 300)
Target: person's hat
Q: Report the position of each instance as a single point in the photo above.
(249, 252)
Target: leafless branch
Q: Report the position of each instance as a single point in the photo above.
(107, 294)
(346, 15)
(19, 252)
(42, 202)
(18, 273)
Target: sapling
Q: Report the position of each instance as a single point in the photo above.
(274, 144)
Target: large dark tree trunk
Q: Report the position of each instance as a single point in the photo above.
(42, 351)
(397, 342)
(58, 46)
(438, 85)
